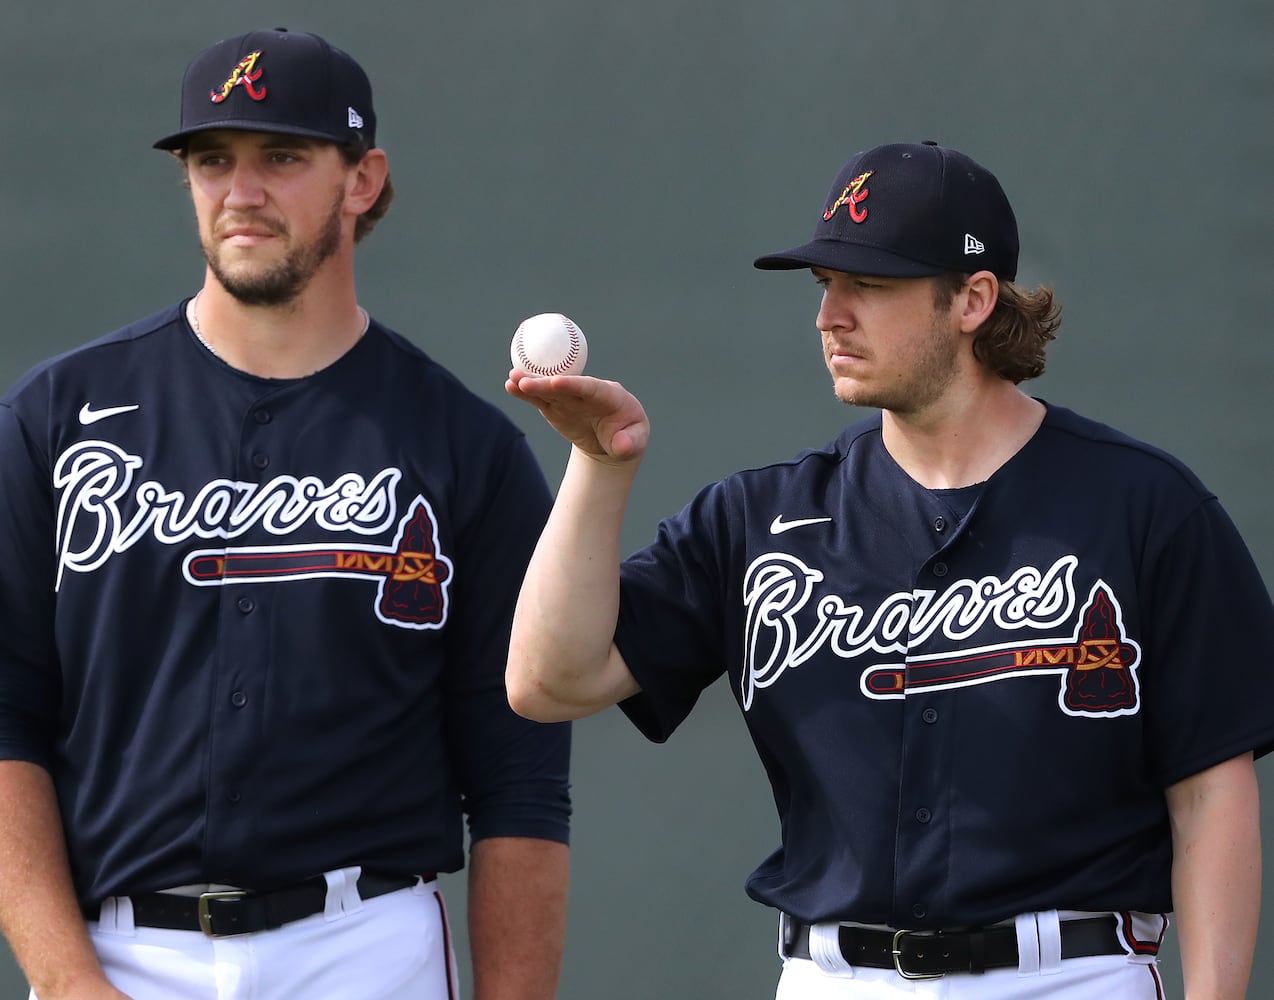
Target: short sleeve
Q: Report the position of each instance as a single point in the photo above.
(29, 678)
(1210, 648)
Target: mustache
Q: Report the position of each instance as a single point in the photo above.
(274, 227)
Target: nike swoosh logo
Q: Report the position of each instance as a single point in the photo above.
(88, 415)
(778, 525)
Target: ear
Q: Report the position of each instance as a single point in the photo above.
(976, 300)
(365, 181)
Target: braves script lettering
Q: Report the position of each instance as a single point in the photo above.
(777, 587)
(96, 519)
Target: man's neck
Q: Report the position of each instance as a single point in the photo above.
(284, 341)
(964, 440)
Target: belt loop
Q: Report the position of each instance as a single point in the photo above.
(124, 923)
(1049, 926)
(1028, 945)
(108, 916)
(825, 950)
(117, 916)
(342, 892)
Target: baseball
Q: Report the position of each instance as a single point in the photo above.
(549, 344)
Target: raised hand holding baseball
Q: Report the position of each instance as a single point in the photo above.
(601, 418)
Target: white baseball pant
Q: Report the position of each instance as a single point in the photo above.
(1041, 974)
(392, 947)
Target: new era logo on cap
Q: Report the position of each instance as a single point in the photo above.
(276, 81)
(973, 245)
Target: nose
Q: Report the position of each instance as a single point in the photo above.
(836, 311)
(246, 189)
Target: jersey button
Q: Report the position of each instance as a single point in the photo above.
(245, 604)
(238, 699)
(940, 569)
(930, 715)
(232, 796)
(260, 461)
(923, 815)
(262, 416)
(920, 911)
(939, 524)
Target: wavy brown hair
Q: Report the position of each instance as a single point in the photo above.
(1011, 341)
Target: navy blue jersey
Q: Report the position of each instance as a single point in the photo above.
(256, 629)
(964, 715)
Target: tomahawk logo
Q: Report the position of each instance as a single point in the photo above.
(412, 576)
(1094, 658)
(1097, 665)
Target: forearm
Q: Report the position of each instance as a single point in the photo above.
(517, 917)
(1216, 878)
(562, 661)
(39, 914)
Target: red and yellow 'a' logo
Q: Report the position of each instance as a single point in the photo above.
(242, 74)
(853, 194)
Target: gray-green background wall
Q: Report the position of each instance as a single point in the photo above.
(624, 163)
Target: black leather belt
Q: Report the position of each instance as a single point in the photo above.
(930, 954)
(222, 914)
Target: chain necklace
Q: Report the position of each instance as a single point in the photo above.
(192, 314)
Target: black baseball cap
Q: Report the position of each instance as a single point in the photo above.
(276, 81)
(907, 210)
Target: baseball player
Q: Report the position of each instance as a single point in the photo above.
(1006, 667)
(258, 559)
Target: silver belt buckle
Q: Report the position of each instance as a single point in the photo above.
(205, 918)
(896, 951)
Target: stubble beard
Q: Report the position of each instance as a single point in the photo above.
(282, 282)
(931, 372)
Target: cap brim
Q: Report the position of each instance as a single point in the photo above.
(178, 139)
(852, 258)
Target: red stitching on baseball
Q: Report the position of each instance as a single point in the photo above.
(561, 367)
